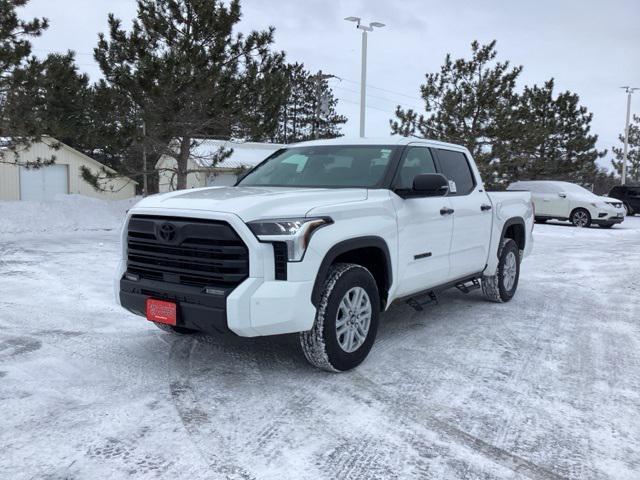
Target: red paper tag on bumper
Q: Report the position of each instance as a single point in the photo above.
(161, 311)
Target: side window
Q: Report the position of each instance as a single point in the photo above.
(456, 168)
(544, 188)
(416, 160)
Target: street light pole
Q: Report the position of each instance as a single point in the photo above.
(629, 91)
(363, 82)
(316, 113)
(363, 74)
(145, 186)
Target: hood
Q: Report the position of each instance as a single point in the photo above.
(609, 199)
(252, 203)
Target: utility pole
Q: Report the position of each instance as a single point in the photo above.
(363, 73)
(319, 77)
(629, 91)
(145, 189)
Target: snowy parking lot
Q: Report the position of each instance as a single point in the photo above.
(544, 387)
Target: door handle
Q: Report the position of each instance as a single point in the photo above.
(446, 211)
(484, 207)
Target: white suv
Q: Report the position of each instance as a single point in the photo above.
(568, 201)
(319, 239)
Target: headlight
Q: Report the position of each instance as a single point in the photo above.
(295, 232)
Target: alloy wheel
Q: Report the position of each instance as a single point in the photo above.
(509, 271)
(353, 319)
(580, 218)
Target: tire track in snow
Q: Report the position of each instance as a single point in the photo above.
(410, 412)
(187, 404)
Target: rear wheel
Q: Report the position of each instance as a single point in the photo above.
(502, 286)
(581, 217)
(174, 329)
(346, 320)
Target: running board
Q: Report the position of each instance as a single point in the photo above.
(418, 306)
(468, 283)
(466, 287)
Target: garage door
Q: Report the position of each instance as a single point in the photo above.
(43, 183)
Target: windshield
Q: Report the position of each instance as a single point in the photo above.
(329, 166)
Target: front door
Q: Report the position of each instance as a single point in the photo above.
(558, 202)
(424, 228)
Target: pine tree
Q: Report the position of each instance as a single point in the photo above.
(310, 108)
(468, 102)
(633, 152)
(15, 49)
(188, 73)
(51, 97)
(549, 138)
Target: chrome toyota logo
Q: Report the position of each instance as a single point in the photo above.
(167, 232)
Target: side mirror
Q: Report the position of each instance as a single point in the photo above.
(562, 195)
(430, 185)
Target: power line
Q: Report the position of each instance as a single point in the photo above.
(383, 89)
(366, 106)
(394, 102)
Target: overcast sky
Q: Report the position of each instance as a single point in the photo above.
(590, 47)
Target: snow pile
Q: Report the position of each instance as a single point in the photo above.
(63, 213)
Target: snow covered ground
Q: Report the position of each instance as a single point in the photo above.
(545, 387)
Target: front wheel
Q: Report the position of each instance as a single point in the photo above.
(346, 320)
(628, 210)
(502, 286)
(581, 217)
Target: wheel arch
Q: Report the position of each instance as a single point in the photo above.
(580, 207)
(371, 252)
(514, 228)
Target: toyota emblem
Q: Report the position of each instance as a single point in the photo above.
(167, 232)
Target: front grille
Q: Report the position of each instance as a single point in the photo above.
(195, 252)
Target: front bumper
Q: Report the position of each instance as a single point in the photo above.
(607, 221)
(610, 217)
(258, 306)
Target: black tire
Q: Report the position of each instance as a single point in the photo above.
(175, 330)
(629, 210)
(581, 217)
(541, 220)
(320, 345)
(493, 286)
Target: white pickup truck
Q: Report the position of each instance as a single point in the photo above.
(318, 239)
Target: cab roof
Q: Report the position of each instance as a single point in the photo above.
(391, 140)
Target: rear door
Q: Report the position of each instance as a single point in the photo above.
(472, 217)
(424, 227)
